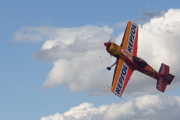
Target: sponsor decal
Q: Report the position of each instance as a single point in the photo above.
(131, 38)
(126, 54)
(160, 84)
(163, 69)
(121, 80)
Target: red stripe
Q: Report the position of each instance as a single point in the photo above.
(126, 80)
(135, 44)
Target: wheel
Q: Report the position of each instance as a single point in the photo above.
(108, 68)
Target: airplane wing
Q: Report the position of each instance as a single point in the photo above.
(121, 77)
(130, 39)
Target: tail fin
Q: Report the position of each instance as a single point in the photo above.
(164, 78)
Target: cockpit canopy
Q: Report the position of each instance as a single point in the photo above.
(140, 62)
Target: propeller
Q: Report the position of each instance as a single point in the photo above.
(105, 45)
(109, 40)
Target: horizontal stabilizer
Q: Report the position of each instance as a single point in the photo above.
(164, 78)
(161, 84)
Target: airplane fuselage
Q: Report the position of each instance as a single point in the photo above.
(134, 62)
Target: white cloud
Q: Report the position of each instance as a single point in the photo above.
(75, 54)
(148, 107)
(33, 34)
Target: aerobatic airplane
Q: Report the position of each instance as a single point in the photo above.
(127, 61)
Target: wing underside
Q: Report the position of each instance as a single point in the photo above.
(130, 39)
(121, 77)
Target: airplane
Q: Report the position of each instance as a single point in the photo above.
(127, 61)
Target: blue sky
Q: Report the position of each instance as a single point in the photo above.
(24, 71)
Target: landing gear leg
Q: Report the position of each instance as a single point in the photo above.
(109, 68)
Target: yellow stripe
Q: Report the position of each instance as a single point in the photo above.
(118, 70)
(126, 37)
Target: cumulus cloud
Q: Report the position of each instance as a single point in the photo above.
(148, 107)
(34, 34)
(75, 54)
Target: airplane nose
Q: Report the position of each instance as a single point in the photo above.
(107, 45)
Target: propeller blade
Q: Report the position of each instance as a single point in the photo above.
(109, 40)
